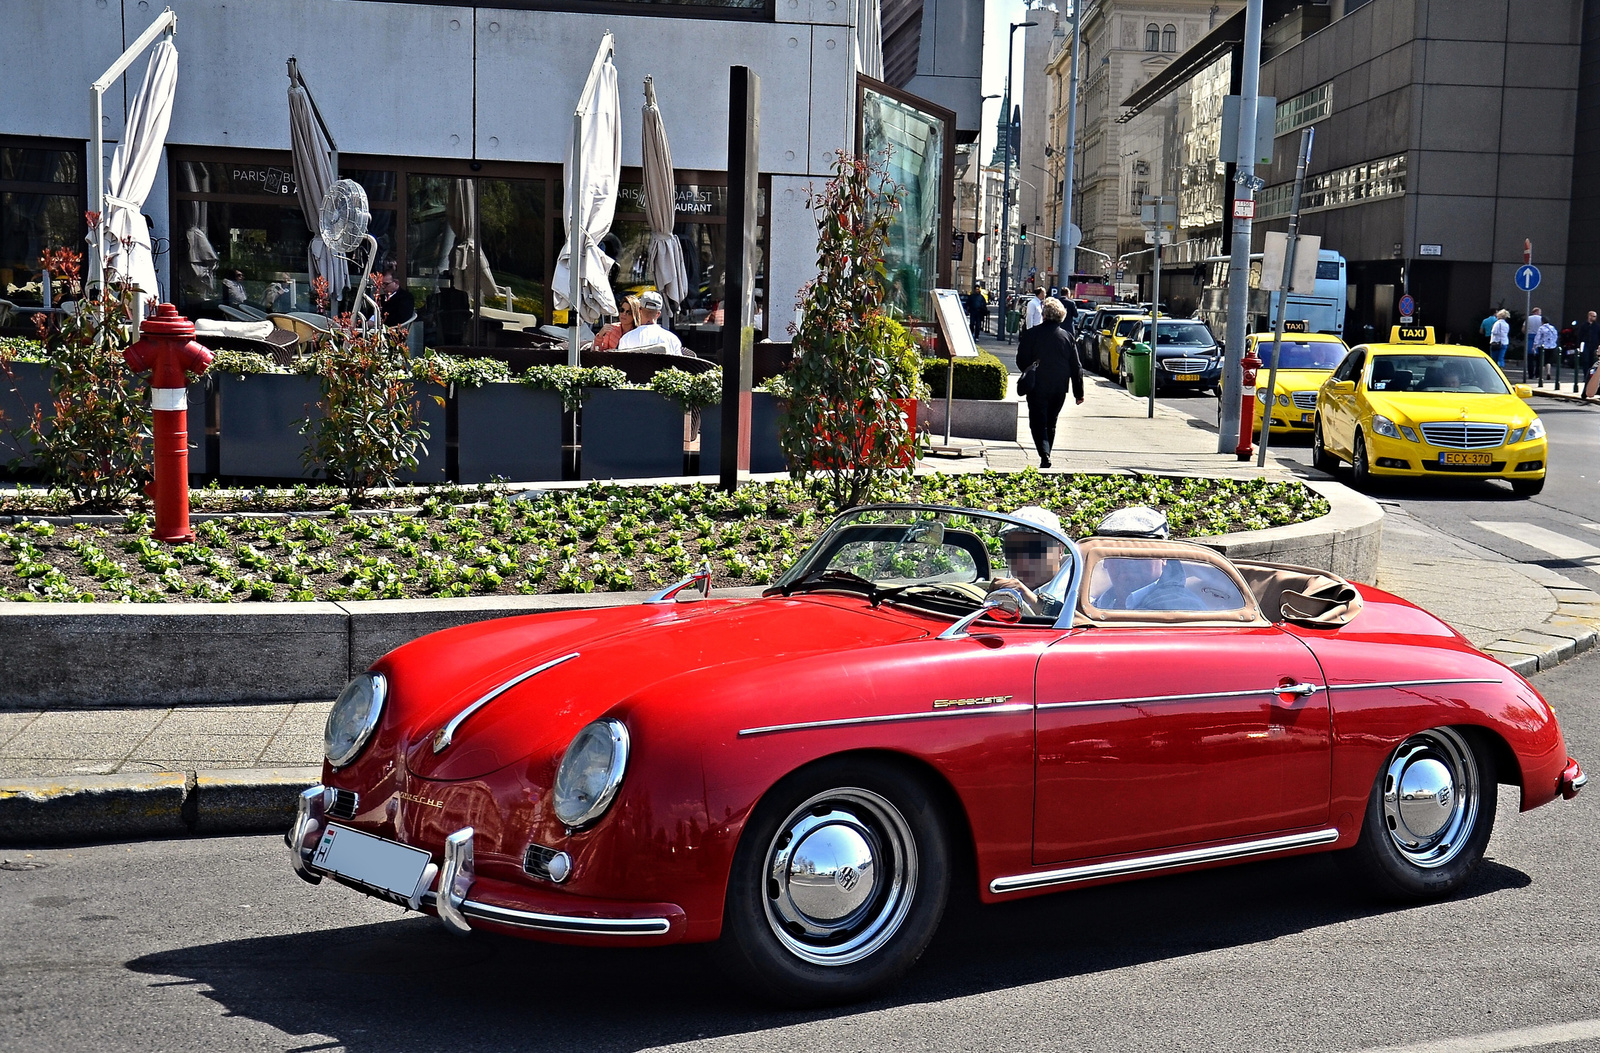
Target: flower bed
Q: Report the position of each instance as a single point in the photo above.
(599, 538)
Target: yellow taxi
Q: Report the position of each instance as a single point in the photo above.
(1305, 362)
(1119, 333)
(1411, 407)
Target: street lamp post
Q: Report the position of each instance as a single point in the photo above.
(1005, 184)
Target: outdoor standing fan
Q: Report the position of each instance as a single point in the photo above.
(342, 223)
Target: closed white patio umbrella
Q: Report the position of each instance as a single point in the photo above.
(125, 236)
(316, 167)
(592, 173)
(660, 202)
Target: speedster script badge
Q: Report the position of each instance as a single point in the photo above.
(954, 703)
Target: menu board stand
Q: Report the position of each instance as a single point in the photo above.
(958, 343)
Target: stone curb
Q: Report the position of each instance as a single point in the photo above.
(1573, 628)
(1565, 396)
(158, 804)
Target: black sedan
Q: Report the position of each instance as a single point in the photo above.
(1188, 356)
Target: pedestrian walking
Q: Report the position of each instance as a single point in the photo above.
(1530, 329)
(977, 311)
(1500, 336)
(1549, 341)
(1049, 363)
(1035, 308)
(1588, 340)
(1488, 326)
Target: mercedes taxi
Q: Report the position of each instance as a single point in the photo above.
(1413, 407)
(1304, 362)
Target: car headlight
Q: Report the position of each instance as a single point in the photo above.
(1261, 394)
(1535, 430)
(353, 718)
(590, 773)
(1384, 426)
(1283, 400)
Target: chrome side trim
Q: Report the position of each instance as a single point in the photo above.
(444, 736)
(1298, 689)
(889, 718)
(1163, 861)
(1415, 683)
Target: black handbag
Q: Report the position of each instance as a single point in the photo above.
(1029, 378)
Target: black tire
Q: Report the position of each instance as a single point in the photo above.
(806, 943)
(1321, 459)
(1360, 470)
(1397, 862)
(1527, 487)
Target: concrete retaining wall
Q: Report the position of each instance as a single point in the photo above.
(994, 419)
(164, 654)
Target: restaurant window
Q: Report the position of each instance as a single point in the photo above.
(912, 136)
(42, 202)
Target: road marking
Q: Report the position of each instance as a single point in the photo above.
(1522, 1038)
(1560, 546)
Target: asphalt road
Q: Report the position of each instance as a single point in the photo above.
(214, 944)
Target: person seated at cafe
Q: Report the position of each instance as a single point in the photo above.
(650, 333)
(233, 292)
(397, 303)
(612, 332)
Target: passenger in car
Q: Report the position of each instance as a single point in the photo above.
(1131, 580)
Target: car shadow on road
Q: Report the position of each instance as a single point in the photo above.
(409, 985)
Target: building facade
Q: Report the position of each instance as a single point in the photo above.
(469, 152)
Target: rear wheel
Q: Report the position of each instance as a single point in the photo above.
(1321, 459)
(1428, 819)
(837, 886)
(1527, 487)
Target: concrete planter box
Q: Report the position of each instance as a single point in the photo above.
(431, 410)
(765, 453)
(257, 437)
(631, 434)
(199, 453)
(27, 387)
(506, 430)
(994, 419)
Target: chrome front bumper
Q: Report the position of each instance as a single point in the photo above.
(450, 900)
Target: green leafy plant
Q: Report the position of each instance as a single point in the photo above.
(370, 429)
(92, 438)
(692, 391)
(842, 425)
(572, 382)
(983, 377)
(242, 363)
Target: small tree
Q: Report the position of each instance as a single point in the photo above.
(93, 437)
(842, 424)
(369, 430)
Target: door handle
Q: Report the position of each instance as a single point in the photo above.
(1289, 692)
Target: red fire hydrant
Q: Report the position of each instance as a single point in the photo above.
(1247, 409)
(167, 348)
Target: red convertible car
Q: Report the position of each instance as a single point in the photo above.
(930, 695)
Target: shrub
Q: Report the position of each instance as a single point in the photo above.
(242, 363)
(369, 430)
(983, 377)
(570, 382)
(462, 372)
(92, 438)
(21, 349)
(841, 422)
(692, 391)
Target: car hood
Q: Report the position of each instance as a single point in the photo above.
(1417, 407)
(1292, 380)
(619, 651)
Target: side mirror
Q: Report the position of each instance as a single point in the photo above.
(1523, 391)
(1340, 387)
(1003, 605)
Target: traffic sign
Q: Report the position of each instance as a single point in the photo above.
(1244, 208)
(1408, 305)
(1527, 277)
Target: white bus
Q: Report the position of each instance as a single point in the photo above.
(1322, 310)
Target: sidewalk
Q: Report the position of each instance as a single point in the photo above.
(126, 773)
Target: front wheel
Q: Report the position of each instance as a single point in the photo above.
(1360, 470)
(1428, 819)
(837, 886)
(1321, 459)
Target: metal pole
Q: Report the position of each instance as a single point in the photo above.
(575, 240)
(97, 159)
(1527, 341)
(1239, 263)
(1283, 291)
(1155, 309)
(1005, 184)
(1066, 254)
(949, 396)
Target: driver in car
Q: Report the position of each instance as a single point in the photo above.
(1033, 557)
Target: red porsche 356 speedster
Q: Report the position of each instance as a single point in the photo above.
(929, 692)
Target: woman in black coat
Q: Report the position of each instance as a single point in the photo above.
(1052, 347)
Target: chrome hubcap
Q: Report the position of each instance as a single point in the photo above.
(1430, 797)
(841, 874)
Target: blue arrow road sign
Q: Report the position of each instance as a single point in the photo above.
(1527, 277)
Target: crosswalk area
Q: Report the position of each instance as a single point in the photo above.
(1574, 547)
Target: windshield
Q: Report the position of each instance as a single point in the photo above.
(1182, 334)
(1464, 373)
(1127, 326)
(1303, 354)
(944, 561)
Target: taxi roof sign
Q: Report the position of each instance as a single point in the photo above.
(1296, 325)
(1411, 334)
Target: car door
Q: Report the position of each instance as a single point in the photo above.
(1339, 409)
(1150, 737)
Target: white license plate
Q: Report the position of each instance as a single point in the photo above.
(373, 861)
(1475, 460)
(1186, 376)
